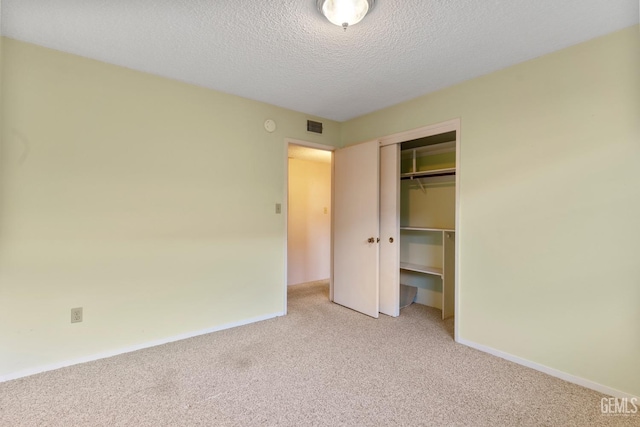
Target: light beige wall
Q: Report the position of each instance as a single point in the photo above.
(149, 202)
(549, 205)
(309, 233)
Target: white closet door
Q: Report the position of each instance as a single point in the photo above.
(355, 224)
(390, 230)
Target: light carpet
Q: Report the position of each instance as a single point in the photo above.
(321, 365)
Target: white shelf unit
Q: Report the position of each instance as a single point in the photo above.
(427, 250)
(422, 268)
(428, 150)
(438, 255)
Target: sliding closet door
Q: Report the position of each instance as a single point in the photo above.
(390, 230)
(355, 227)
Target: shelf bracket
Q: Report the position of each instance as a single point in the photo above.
(424, 190)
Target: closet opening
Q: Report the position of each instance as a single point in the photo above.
(308, 215)
(396, 222)
(428, 220)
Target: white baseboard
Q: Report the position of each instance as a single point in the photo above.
(103, 355)
(549, 371)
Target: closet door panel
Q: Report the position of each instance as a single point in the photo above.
(390, 230)
(355, 227)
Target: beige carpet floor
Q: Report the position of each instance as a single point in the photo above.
(321, 365)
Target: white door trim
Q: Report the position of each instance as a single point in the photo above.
(421, 132)
(285, 210)
(292, 141)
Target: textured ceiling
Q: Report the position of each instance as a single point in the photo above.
(285, 53)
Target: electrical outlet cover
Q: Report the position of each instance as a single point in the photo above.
(76, 315)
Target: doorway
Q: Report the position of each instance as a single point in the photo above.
(308, 213)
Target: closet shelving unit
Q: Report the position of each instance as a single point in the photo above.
(426, 269)
(429, 249)
(414, 154)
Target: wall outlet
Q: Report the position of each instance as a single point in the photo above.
(76, 315)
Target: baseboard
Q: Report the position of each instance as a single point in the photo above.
(111, 353)
(549, 371)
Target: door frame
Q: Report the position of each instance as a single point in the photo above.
(285, 211)
(422, 132)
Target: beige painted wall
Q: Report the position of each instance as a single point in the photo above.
(149, 202)
(549, 205)
(309, 227)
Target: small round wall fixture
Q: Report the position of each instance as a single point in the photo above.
(269, 125)
(344, 13)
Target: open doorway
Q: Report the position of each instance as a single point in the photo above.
(309, 196)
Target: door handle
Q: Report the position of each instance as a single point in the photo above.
(371, 240)
(390, 239)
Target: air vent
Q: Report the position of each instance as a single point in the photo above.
(315, 127)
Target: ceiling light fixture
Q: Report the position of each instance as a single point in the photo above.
(344, 13)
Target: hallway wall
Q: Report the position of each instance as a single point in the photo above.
(309, 224)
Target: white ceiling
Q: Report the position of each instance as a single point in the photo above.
(285, 53)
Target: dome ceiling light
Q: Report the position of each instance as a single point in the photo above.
(344, 13)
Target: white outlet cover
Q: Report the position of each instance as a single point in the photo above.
(76, 315)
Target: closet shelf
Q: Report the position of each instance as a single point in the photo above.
(429, 150)
(427, 229)
(433, 172)
(436, 271)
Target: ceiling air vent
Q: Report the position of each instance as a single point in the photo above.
(315, 127)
